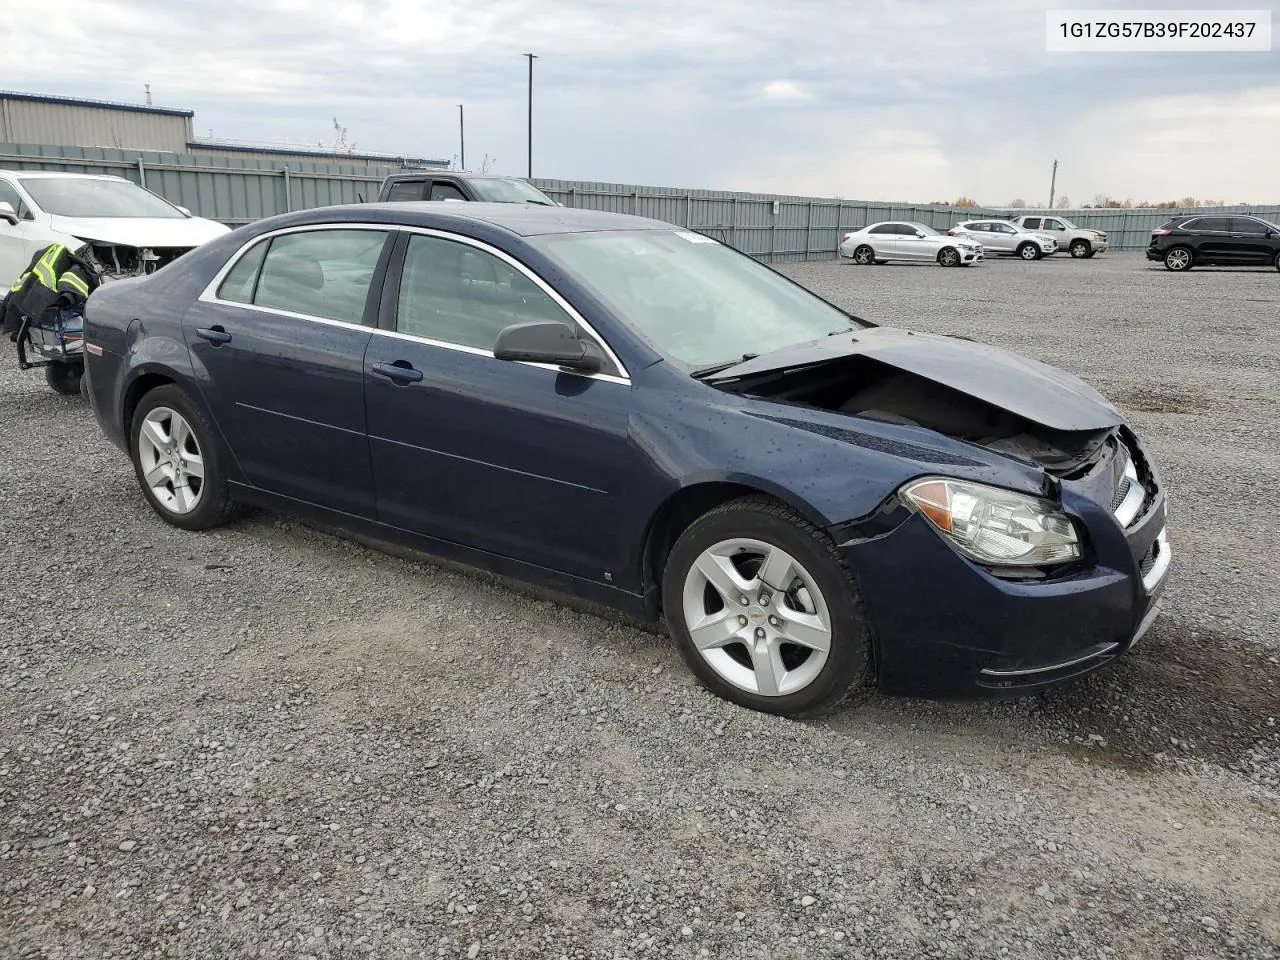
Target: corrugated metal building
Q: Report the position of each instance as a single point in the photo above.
(70, 122)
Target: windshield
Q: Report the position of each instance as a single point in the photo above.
(1068, 224)
(695, 300)
(927, 231)
(88, 198)
(500, 190)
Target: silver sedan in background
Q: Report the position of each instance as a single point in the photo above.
(905, 240)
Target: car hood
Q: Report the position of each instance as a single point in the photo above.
(1032, 390)
(142, 231)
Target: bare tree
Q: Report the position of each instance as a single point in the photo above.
(1017, 203)
(1064, 203)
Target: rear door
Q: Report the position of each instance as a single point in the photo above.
(520, 460)
(281, 338)
(1211, 239)
(1250, 241)
(409, 189)
(884, 239)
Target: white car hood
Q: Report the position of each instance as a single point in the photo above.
(142, 231)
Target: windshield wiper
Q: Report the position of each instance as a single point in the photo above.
(703, 372)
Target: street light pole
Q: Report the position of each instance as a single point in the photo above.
(532, 57)
(462, 140)
(1053, 182)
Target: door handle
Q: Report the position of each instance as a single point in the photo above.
(398, 371)
(215, 335)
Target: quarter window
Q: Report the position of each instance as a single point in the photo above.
(457, 294)
(320, 273)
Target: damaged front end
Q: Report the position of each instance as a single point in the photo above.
(119, 261)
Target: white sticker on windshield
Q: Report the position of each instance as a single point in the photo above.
(695, 237)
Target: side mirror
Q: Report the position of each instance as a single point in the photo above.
(540, 341)
(8, 214)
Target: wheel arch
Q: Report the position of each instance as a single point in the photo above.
(681, 508)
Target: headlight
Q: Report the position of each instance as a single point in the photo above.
(992, 525)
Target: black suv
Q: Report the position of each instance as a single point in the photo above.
(457, 185)
(1215, 240)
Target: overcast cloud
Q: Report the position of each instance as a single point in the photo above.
(903, 100)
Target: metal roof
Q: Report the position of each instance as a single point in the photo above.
(96, 104)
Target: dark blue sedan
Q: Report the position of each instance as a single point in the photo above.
(642, 417)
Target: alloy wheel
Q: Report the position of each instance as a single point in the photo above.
(949, 258)
(1178, 259)
(171, 459)
(1079, 249)
(1028, 252)
(864, 256)
(757, 617)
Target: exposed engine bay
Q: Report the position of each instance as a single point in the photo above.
(117, 262)
(865, 387)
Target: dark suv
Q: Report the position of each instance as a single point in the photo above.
(1215, 240)
(457, 185)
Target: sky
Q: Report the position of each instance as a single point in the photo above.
(910, 100)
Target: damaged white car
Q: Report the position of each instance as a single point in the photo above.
(124, 230)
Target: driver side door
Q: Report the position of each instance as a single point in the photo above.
(517, 459)
(20, 241)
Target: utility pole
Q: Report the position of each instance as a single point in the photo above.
(462, 140)
(1053, 182)
(532, 57)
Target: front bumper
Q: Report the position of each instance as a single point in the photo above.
(945, 626)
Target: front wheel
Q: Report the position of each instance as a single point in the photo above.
(949, 257)
(176, 461)
(1081, 248)
(64, 378)
(1029, 251)
(864, 255)
(764, 610)
(1178, 260)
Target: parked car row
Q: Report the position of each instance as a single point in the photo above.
(963, 245)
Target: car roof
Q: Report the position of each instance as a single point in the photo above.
(459, 174)
(60, 175)
(526, 220)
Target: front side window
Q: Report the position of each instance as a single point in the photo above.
(458, 294)
(445, 191)
(1003, 228)
(1052, 225)
(1248, 226)
(10, 196)
(92, 198)
(319, 273)
(695, 300)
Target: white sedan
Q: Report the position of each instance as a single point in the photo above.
(123, 228)
(903, 240)
(1003, 237)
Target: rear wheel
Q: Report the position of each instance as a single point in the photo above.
(64, 378)
(1178, 259)
(864, 255)
(949, 257)
(764, 610)
(1081, 248)
(1029, 251)
(176, 461)
(1278, 261)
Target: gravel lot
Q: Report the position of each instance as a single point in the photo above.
(272, 742)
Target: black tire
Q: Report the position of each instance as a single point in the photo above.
(216, 506)
(864, 256)
(1081, 248)
(1091, 254)
(1179, 259)
(1029, 251)
(64, 378)
(1278, 261)
(848, 669)
(949, 257)
(881, 263)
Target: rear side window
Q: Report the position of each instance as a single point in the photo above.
(320, 273)
(1031, 223)
(406, 190)
(455, 293)
(884, 228)
(238, 285)
(976, 227)
(1209, 225)
(445, 191)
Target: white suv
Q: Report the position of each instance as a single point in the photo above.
(1081, 241)
(1001, 236)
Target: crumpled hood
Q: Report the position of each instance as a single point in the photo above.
(142, 231)
(1032, 390)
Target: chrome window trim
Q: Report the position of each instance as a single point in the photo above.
(210, 294)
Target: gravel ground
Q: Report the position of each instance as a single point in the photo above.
(273, 742)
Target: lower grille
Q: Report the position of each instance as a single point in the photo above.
(1149, 558)
(1122, 491)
